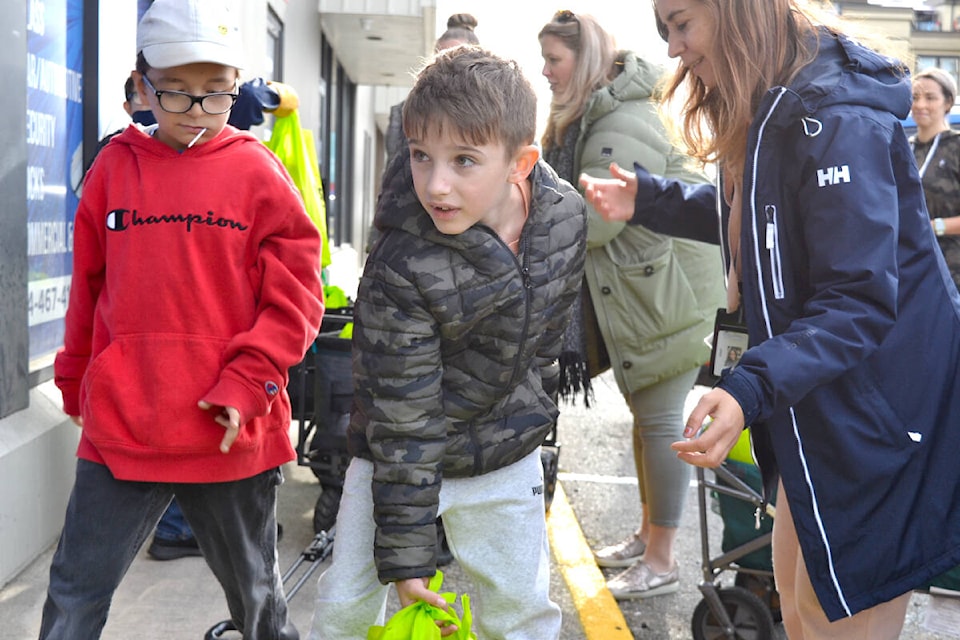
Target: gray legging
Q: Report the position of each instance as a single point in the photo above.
(657, 422)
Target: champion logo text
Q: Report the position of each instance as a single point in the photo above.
(122, 219)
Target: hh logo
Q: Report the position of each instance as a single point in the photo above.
(833, 175)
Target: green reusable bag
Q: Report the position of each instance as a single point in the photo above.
(418, 621)
(294, 146)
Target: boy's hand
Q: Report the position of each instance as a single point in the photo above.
(229, 419)
(414, 589)
(77, 420)
(708, 447)
(613, 198)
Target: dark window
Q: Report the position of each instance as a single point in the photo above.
(274, 45)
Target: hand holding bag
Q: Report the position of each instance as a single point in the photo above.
(419, 620)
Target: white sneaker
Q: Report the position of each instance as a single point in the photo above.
(639, 581)
(622, 554)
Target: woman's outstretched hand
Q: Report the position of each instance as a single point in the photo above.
(709, 446)
(613, 198)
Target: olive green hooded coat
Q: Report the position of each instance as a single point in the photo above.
(655, 297)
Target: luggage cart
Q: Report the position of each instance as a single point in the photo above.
(318, 551)
(321, 396)
(749, 609)
(549, 458)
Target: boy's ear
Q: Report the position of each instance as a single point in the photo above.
(523, 162)
(139, 86)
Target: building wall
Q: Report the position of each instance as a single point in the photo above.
(37, 466)
(13, 221)
(36, 450)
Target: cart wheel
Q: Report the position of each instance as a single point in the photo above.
(216, 631)
(549, 457)
(764, 588)
(750, 618)
(325, 511)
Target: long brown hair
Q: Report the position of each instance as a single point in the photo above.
(595, 53)
(758, 44)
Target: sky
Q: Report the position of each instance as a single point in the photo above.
(509, 28)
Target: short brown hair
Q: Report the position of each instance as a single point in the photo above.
(948, 85)
(483, 99)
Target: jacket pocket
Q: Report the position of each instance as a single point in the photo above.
(648, 295)
(142, 391)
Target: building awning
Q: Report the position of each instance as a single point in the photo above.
(380, 43)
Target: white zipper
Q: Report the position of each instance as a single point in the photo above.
(773, 246)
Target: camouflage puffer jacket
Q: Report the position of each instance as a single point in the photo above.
(455, 344)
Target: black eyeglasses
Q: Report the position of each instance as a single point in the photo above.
(179, 102)
(564, 16)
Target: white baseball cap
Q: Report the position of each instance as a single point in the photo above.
(176, 32)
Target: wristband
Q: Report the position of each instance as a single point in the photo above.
(939, 227)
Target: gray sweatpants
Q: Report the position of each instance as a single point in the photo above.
(496, 530)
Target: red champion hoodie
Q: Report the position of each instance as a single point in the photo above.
(196, 275)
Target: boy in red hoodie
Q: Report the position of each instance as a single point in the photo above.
(196, 286)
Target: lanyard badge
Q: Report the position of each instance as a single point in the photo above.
(729, 341)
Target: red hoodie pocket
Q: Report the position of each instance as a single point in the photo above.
(142, 392)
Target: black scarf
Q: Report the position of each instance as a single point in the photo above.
(574, 374)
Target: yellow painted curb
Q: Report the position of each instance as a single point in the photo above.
(599, 613)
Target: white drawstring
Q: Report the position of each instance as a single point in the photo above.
(806, 127)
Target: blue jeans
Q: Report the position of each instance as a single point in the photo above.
(173, 526)
(108, 521)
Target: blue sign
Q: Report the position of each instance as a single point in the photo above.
(54, 162)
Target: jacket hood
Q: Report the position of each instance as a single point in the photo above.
(637, 81)
(398, 205)
(141, 142)
(844, 72)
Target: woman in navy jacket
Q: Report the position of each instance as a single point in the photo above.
(850, 383)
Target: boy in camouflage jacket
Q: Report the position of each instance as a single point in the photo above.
(458, 325)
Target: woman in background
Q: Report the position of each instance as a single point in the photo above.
(937, 151)
(649, 299)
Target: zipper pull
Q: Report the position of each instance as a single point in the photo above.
(770, 211)
(756, 515)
